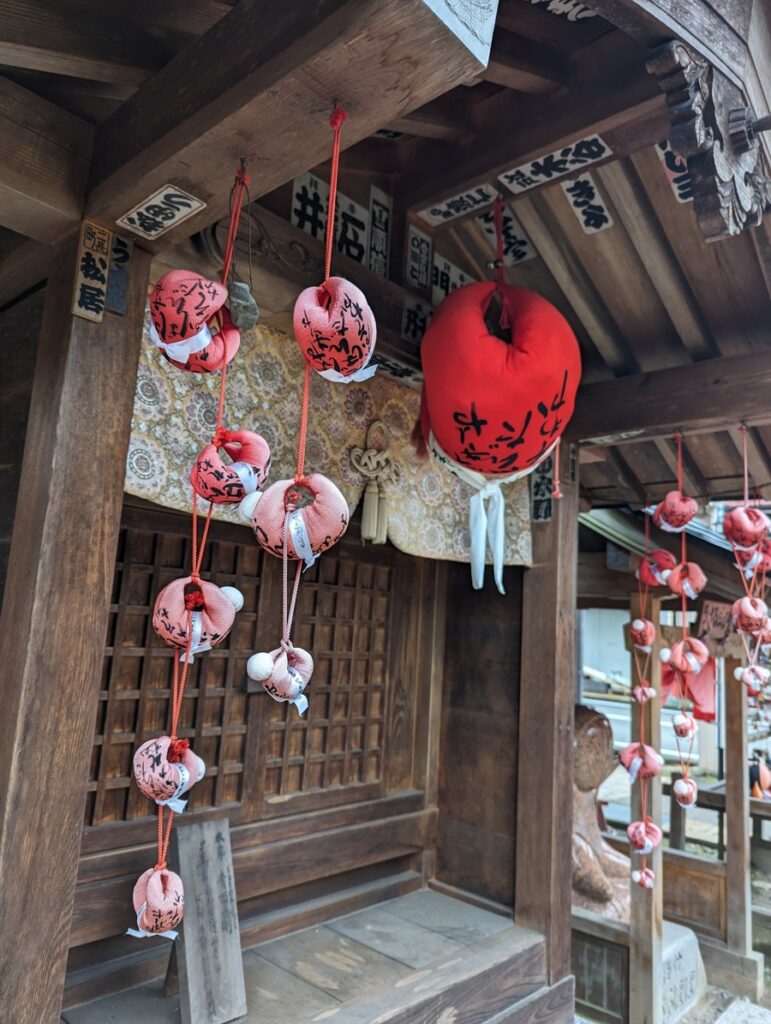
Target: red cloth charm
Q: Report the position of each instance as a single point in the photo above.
(493, 406)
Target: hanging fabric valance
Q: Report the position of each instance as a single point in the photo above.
(175, 414)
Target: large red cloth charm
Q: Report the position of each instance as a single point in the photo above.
(494, 406)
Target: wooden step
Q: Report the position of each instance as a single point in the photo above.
(555, 1005)
(470, 985)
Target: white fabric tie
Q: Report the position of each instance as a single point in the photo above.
(140, 933)
(173, 802)
(196, 647)
(487, 512)
(247, 475)
(300, 538)
(363, 373)
(181, 350)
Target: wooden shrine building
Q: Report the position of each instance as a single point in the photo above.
(432, 773)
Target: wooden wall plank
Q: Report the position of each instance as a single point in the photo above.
(542, 896)
(478, 769)
(53, 622)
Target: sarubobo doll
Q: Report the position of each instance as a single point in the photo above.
(644, 877)
(755, 677)
(159, 903)
(228, 483)
(643, 692)
(684, 725)
(284, 674)
(195, 614)
(165, 769)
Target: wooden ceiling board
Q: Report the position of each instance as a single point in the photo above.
(724, 277)
(620, 279)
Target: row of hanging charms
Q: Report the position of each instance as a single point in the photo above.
(299, 519)
(197, 332)
(747, 530)
(683, 660)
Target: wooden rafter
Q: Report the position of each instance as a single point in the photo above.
(524, 65)
(683, 398)
(573, 280)
(22, 269)
(618, 101)
(636, 214)
(270, 100)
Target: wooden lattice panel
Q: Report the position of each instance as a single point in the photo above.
(343, 618)
(133, 700)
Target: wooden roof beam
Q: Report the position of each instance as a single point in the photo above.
(439, 119)
(39, 37)
(613, 96)
(44, 162)
(269, 100)
(715, 394)
(719, 35)
(524, 65)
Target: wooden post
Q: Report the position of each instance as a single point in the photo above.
(54, 621)
(542, 892)
(646, 911)
(737, 812)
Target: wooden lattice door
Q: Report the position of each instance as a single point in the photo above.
(357, 740)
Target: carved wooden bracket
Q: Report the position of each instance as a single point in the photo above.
(731, 188)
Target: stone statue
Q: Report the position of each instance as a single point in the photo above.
(600, 873)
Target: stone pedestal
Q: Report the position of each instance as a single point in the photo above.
(684, 978)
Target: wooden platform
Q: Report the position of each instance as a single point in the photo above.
(423, 958)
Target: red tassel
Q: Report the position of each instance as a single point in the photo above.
(194, 600)
(177, 750)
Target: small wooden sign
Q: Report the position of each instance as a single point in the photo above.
(161, 212)
(208, 950)
(88, 300)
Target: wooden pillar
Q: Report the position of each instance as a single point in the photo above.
(542, 892)
(646, 911)
(737, 812)
(54, 622)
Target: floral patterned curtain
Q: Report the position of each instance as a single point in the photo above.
(175, 413)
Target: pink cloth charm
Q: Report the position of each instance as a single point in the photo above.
(641, 761)
(642, 633)
(284, 674)
(182, 306)
(675, 512)
(166, 778)
(159, 903)
(203, 605)
(745, 528)
(644, 836)
(685, 792)
(749, 614)
(228, 484)
(644, 692)
(318, 517)
(644, 877)
(684, 725)
(754, 677)
(689, 655)
(686, 578)
(654, 567)
(335, 329)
